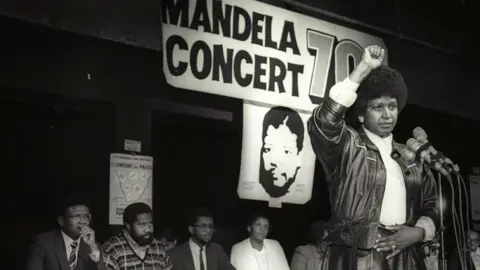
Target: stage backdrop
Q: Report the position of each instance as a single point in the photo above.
(254, 51)
(271, 58)
(130, 182)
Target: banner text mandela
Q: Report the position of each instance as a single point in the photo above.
(225, 21)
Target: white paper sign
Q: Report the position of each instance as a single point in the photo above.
(278, 162)
(130, 182)
(258, 52)
(475, 196)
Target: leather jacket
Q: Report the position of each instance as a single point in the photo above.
(356, 178)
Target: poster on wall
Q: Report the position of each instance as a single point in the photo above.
(474, 198)
(278, 162)
(130, 182)
(256, 52)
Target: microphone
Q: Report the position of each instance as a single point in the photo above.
(420, 134)
(422, 153)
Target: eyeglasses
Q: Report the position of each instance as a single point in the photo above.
(205, 227)
(81, 217)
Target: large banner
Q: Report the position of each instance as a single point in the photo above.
(130, 182)
(257, 52)
(278, 162)
(474, 196)
(280, 62)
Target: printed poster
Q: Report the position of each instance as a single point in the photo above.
(278, 161)
(130, 182)
(474, 196)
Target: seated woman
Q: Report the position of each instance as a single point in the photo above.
(256, 252)
(310, 256)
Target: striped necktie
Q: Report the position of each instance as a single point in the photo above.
(72, 259)
(202, 264)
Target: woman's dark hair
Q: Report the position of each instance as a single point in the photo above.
(381, 82)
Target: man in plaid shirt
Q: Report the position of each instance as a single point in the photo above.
(135, 247)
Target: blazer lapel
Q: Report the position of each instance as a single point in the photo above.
(211, 265)
(61, 251)
(188, 262)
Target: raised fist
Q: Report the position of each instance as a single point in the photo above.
(373, 56)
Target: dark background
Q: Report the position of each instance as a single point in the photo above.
(57, 129)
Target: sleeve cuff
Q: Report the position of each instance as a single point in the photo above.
(344, 92)
(95, 256)
(427, 224)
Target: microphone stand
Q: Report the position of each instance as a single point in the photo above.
(442, 260)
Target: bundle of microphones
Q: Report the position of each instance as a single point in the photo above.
(420, 149)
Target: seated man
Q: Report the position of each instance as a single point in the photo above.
(473, 255)
(135, 247)
(73, 246)
(199, 253)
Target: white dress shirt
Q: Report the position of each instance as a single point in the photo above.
(196, 255)
(344, 93)
(394, 204)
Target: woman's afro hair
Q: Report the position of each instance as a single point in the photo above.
(381, 82)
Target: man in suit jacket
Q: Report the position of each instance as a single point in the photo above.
(473, 256)
(199, 253)
(73, 247)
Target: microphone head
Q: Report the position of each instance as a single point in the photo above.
(419, 133)
(413, 144)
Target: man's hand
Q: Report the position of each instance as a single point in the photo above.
(404, 237)
(88, 236)
(373, 56)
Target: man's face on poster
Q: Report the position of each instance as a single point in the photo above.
(280, 155)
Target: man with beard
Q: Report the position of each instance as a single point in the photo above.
(135, 247)
(199, 253)
(282, 142)
(71, 247)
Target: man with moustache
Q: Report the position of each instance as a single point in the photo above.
(282, 142)
(135, 247)
(71, 247)
(199, 253)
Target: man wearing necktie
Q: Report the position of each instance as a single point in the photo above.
(73, 247)
(199, 253)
